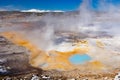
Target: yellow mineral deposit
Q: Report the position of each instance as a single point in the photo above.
(97, 65)
(53, 58)
(21, 41)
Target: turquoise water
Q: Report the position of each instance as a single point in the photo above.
(79, 58)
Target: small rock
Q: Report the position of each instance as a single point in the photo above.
(105, 78)
(8, 78)
(85, 79)
(45, 77)
(35, 77)
(71, 79)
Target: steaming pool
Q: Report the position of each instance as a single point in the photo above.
(88, 53)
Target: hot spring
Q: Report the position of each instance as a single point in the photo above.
(85, 39)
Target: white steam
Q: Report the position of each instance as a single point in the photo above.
(85, 21)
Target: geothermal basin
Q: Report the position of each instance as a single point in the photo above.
(61, 45)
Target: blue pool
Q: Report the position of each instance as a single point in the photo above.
(79, 58)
